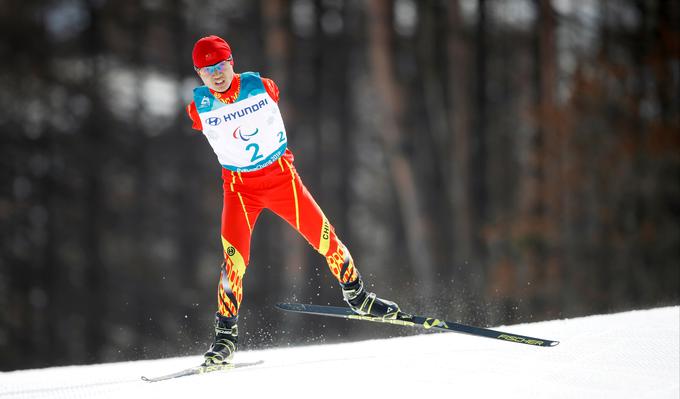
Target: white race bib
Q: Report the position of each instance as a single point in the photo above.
(246, 135)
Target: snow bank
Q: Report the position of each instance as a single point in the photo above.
(626, 355)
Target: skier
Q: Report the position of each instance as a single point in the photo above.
(240, 117)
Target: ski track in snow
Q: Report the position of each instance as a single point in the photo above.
(626, 355)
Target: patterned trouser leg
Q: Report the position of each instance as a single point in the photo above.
(277, 187)
(239, 215)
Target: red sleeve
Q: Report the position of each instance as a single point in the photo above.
(193, 114)
(272, 89)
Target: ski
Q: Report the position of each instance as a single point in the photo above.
(405, 319)
(201, 370)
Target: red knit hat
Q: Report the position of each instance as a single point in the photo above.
(210, 50)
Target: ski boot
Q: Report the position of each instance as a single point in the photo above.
(367, 303)
(225, 343)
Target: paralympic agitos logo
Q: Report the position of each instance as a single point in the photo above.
(245, 137)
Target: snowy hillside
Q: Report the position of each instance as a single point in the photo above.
(626, 355)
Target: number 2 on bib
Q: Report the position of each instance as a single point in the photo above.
(256, 151)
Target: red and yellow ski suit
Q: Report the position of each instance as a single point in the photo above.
(277, 187)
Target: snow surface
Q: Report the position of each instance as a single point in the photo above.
(625, 355)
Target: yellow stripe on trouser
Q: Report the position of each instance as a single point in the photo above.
(243, 205)
(245, 213)
(233, 180)
(297, 209)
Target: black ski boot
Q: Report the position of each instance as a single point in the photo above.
(225, 343)
(367, 303)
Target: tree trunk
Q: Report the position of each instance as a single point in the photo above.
(460, 176)
(478, 153)
(540, 196)
(390, 97)
(94, 134)
(553, 131)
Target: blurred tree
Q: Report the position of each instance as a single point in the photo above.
(390, 97)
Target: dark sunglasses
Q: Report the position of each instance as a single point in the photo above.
(211, 69)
